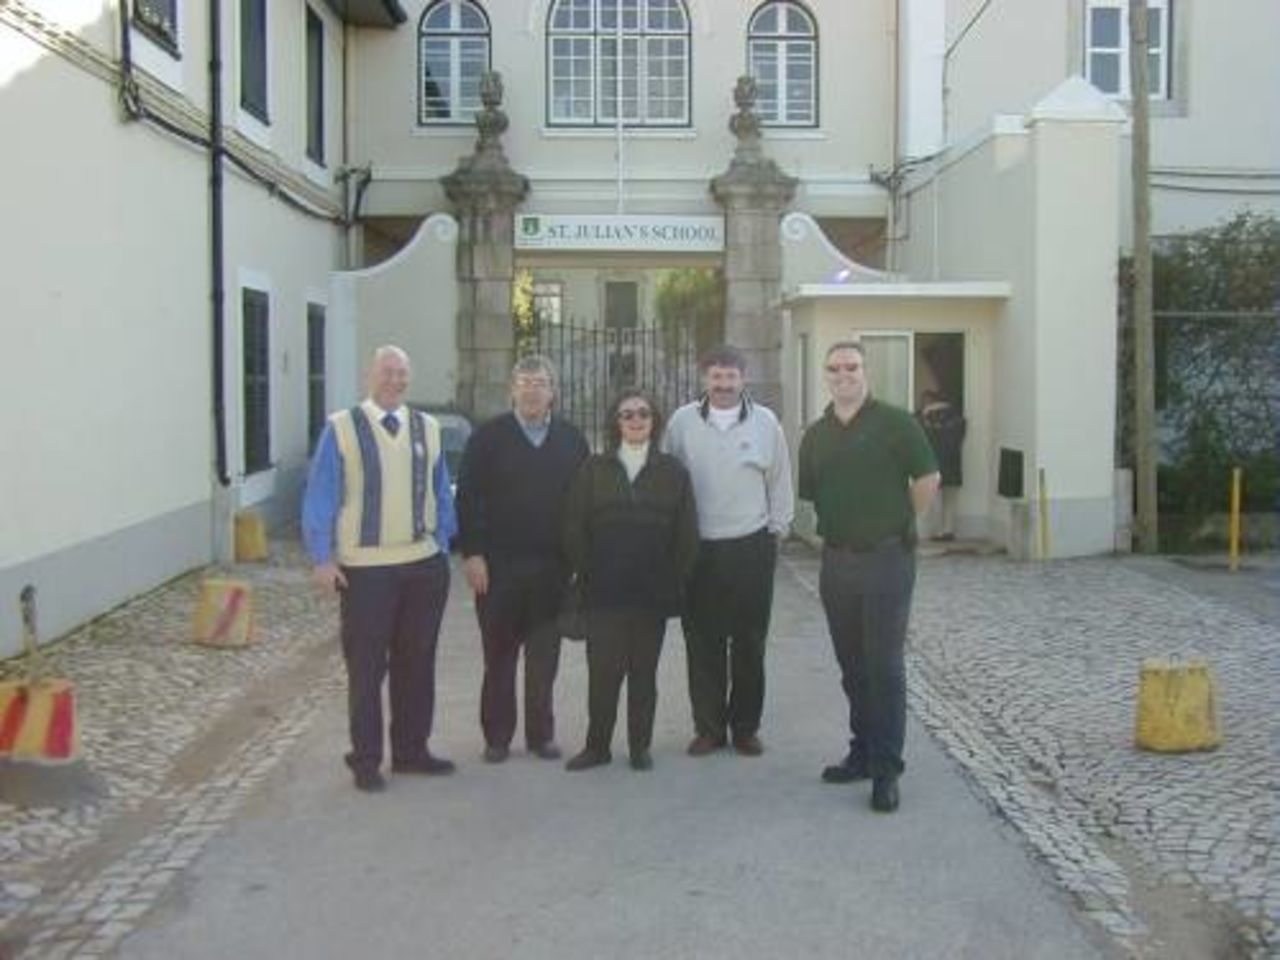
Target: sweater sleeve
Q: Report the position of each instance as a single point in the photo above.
(686, 528)
(576, 534)
(470, 505)
(782, 501)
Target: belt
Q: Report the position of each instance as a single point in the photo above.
(859, 547)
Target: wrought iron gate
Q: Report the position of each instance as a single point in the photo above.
(595, 363)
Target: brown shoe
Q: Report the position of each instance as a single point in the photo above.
(748, 746)
(700, 745)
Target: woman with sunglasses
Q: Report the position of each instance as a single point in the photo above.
(631, 534)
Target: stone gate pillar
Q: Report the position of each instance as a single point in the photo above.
(754, 193)
(485, 192)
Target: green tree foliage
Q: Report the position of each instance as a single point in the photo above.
(692, 297)
(1216, 295)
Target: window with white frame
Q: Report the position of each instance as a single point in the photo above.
(453, 54)
(782, 56)
(548, 302)
(253, 58)
(256, 373)
(158, 19)
(315, 86)
(1106, 55)
(618, 59)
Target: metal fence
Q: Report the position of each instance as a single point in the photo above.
(594, 364)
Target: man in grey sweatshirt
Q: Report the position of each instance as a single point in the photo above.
(735, 451)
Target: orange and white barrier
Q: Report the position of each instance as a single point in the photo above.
(38, 721)
(224, 613)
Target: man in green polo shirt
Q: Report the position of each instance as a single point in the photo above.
(869, 471)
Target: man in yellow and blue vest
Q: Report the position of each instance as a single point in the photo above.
(377, 517)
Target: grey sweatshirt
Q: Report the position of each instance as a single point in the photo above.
(741, 476)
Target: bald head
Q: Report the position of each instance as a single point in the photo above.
(389, 375)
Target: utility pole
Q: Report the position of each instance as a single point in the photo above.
(1144, 394)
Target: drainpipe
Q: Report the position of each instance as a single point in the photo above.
(217, 293)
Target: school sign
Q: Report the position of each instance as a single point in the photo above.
(648, 233)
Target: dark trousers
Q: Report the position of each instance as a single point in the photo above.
(867, 599)
(519, 611)
(622, 644)
(726, 621)
(390, 624)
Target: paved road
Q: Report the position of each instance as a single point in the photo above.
(719, 857)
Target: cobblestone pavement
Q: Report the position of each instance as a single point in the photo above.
(146, 697)
(1026, 674)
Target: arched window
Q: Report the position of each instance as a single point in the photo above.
(583, 82)
(782, 55)
(453, 53)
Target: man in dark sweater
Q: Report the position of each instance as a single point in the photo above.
(514, 475)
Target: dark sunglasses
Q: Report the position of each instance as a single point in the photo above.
(641, 414)
(843, 367)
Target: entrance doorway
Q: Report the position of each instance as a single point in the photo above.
(939, 369)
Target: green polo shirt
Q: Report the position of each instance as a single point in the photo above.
(858, 474)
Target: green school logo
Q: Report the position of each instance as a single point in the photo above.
(530, 226)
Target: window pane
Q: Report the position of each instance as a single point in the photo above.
(437, 86)
(665, 15)
(473, 60)
(572, 15)
(1104, 28)
(797, 22)
(1153, 28)
(253, 57)
(1155, 75)
(315, 372)
(764, 67)
(766, 20)
(1104, 71)
(470, 19)
(159, 18)
(255, 367)
(438, 18)
(315, 87)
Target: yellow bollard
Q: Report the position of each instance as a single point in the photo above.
(1233, 536)
(1044, 515)
(1177, 708)
(251, 537)
(224, 613)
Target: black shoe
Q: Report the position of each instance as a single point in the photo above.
(587, 759)
(425, 764)
(849, 770)
(546, 751)
(496, 753)
(702, 745)
(884, 794)
(641, 760)
(367, 779)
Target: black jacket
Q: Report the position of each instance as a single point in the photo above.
(632, 544)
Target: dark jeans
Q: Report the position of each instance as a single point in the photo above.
(867, 599)
(727, 618)
(519, 611)
(622, 644)
(390, 624)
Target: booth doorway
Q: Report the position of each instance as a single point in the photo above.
(939, 369)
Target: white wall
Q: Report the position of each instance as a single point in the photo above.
(1036, 205)
(105, 351)
(410, 300)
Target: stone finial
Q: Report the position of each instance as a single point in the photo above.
(485, 180)
(751, 174)
(492, 120)
(745, 124)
